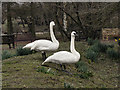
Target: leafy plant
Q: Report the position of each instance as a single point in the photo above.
(112, 53)
(99, 47)
(90, 41)
(20, 51)
(81, 66)
(92, 55)
(6, 55)
(86, 75)
(110, 46)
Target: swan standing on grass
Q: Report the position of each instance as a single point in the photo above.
(45, 45)
(63, 57)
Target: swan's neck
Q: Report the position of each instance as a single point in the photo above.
(52, 34)
(72, 47)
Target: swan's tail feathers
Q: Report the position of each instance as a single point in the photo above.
(24, 47)
(43, 63)
(29, 45)
(47, 60)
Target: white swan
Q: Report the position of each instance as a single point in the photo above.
(45, 45)
(63, 57)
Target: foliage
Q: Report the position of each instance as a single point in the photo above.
(6, 55)
(92, 55)
(90, 41)
(81, 66)
(86, 75)
(95, 49)
(20, 51)
(110, 46)
(99, 47)
(113, 54)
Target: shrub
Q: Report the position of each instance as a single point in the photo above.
(90, 41)
(110, 46)
(99, 47)
(95, 48)
(21, 52)
(81, 66)
(92, 55)
(112, 53)
(102, 47)
(6, 55)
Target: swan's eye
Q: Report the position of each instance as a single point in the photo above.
(74, 33)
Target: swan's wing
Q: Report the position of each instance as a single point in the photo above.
(61, 57)
(41, 44)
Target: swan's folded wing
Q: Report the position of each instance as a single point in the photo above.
(41, 45)
(63, 57)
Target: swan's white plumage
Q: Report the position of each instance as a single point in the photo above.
(45, 45)
(62, 57)
(65, 56)
(29, 45)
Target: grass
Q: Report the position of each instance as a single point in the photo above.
(27, 72)
(6, 55)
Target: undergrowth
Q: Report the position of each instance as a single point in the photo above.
(83, 69)
(96, 47)
(20, 51)
(6, 55)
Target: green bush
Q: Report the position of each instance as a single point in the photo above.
(6, 55)
(90, 41)
(95, 48)
(20, 51)
(102, 47)
(112, 53)
(81, 66)
(110, 46)
(92, 55)
(99, 47)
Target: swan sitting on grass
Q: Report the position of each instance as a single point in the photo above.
(45, 45)
(63, 57)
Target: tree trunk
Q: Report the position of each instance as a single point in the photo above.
(60, 27)
(32, 22)
(9, 20)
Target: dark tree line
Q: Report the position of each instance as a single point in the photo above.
(86, 18)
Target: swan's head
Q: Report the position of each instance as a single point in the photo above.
(73, 34)
(52, 23)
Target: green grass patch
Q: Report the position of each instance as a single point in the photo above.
(20, 51)
(113, 54)
(45, 70)
(6, 54)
